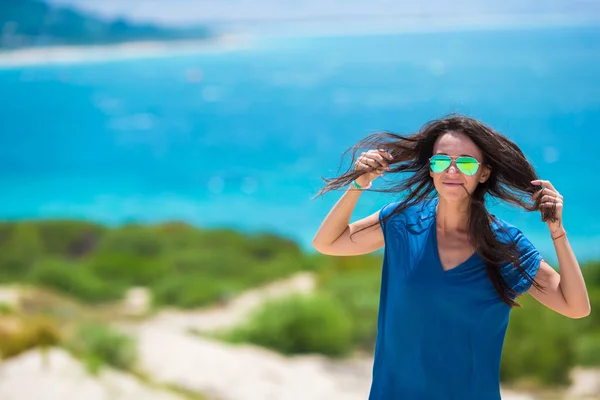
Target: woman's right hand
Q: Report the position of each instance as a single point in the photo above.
(337, 236)
(373, 163)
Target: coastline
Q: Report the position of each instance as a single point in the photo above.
(324, 27)
(54, 55)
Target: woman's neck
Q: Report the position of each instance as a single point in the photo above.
(452, 216)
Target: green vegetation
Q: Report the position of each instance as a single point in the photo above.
(541, 346)
(355, 281)
(19, 334)
(182, 266)
(100, 345)
(339, 318)
(188, 267)
(299, 324)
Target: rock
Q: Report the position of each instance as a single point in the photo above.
(10, 296)
(585, 384)
(137, 301)
(510, 395)
(244, 372)
(229, 372)
(56, 375)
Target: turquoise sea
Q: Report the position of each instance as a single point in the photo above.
(241, 138)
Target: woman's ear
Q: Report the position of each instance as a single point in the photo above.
(485, 174)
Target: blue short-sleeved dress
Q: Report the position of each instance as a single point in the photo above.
(440, 333)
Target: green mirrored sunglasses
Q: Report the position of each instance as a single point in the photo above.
(467, 165)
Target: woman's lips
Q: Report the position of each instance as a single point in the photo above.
(452, 184)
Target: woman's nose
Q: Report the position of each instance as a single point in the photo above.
(452, 169)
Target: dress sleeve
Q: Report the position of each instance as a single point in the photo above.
(529, 258)
(385, 211)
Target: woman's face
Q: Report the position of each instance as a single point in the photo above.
(451, 184)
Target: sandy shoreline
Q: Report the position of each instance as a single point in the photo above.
(131, 50)
(285, 29)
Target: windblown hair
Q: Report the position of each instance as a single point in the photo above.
(509, 180)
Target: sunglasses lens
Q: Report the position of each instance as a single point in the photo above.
(467, 165)
(439, 163)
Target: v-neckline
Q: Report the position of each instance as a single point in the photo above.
(437, 250)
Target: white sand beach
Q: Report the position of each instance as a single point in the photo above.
(131, 50)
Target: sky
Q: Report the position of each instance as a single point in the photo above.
(176, 12)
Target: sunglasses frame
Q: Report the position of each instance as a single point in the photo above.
(453, 159)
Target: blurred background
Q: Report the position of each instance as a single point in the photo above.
(159, 163)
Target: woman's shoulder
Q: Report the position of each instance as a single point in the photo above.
(409, 214)
(505, 230)
(508, 233)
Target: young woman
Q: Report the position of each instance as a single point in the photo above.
(451, 270)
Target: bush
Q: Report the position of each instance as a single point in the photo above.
(177, 236)
(6, 309)
(539, 345)
(70, 239)
(298, 324)
(19, 250)
(331, 266)
(264, 247)
(358, 292)
(588, 350)
(128, 269)
(131, 255)
(187, 291)
(99, 345)
(20, 334)
(132, 239)
(184, 266)
(75, 280)
(230, 264)
(277, 267)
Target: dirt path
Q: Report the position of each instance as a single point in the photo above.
(170, 354)
(236, 311)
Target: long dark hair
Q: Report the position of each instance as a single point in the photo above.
(509, 180)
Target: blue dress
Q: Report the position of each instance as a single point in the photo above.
(440, 333)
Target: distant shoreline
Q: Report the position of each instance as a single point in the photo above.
(54, 55)
(72, 54)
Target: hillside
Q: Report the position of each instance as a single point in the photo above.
(34, 23)
(170, 281)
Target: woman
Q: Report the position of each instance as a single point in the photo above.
(451, 270)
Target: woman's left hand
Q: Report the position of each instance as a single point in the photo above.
(550, 198)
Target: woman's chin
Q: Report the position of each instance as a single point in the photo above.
(453, 193)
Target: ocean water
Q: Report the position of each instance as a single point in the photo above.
(242, 138)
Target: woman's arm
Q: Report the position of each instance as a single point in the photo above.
(565, 292)
(333, 236)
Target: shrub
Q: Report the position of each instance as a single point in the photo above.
(75, 280)
(6, 309)
(189, 291)
(128, 268)
(264, 247)
(69, 239)
(358, 292)
(99, 344)
(132, 239)
(177, 236)
(588, 350)
(19, 334)
(298, 324)
(20, 250)
(330, 266)
(539, 345)
(230, 264)
(277, 267)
